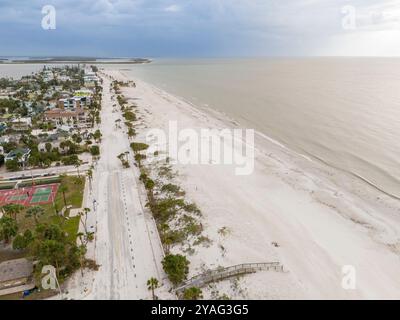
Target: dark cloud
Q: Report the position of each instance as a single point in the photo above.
(181, 27)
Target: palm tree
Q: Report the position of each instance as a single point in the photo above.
(64, 188)
(90, 175)
(84, 215)
(81, 253)
(8, 229)
(12, 209)
(77, 164)
(35, 212)
(152, 284)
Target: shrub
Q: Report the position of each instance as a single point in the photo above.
(138, 146)
(176, 267)
(192, 293)
(12, 165)
(94, 150)
(69, 160)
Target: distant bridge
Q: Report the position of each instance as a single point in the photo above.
(224, 273)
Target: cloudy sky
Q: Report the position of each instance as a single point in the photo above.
(202, 28)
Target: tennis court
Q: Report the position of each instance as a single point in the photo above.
(27, 196)
(41, 195)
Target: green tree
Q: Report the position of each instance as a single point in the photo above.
(77, 138)
(63, 189)
(149, 184)
(176, 267)
(12, 165)
(138, 146)
(90, 175)
(152, 284)
(192, 293)
(94, 150)
(131, 133)
(8, 229)
(22, 241)
(97, 135)
(77, 164)
(52, 252)
(19, 242)
(35, 212)
(51, 247)
(48, 146)
(12, 210)
(84, 215)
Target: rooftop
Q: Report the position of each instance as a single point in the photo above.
(17, 151)
(15, 269)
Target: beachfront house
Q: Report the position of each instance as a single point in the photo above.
(59, 116)
(16, 276)
(69, 103)
(21, 154)
(10, 138)
(6, 93)
(42, 146)
(21, 124)
(53, 139)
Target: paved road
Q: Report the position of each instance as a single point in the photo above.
(51, 171)
(127, 245)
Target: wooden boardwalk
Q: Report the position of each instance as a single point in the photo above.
(224, 273)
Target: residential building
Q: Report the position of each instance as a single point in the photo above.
(61, 116)
(16, 276)
(54, 144)
(21, 124)
(6, 117)
(20, 153)
(3, 127)
(69, 103)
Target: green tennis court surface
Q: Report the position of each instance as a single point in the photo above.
(18, 197)
(42, 191)
(41, 195)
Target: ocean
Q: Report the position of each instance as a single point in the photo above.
(344, 112)
(17, 71)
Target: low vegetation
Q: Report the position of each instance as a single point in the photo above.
(176, 267)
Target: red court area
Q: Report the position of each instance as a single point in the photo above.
(29, 196)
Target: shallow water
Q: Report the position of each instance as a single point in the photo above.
(342, 111)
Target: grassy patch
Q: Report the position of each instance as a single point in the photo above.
(74, 194)
(71, 227)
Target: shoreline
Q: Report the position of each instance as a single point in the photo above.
(310, 209)
(229, 121)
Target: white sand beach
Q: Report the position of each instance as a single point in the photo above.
(311, 218)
